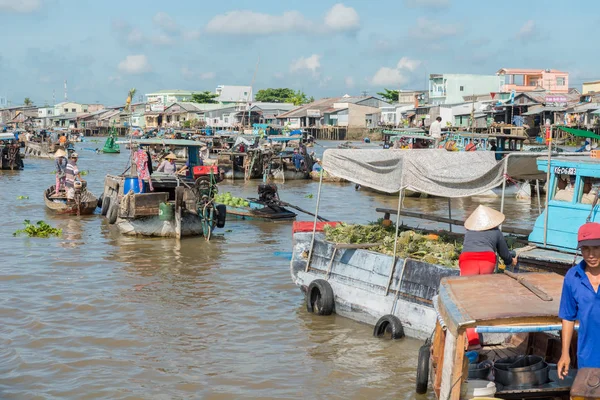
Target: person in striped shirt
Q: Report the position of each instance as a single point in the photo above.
(72, 173)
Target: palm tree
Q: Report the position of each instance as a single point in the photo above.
(27, 101)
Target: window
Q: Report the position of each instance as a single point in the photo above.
(65, 109)
(589, 190)
(560, 81)
(462, 88)
(226, 120)
(73, 110)
(564, 185)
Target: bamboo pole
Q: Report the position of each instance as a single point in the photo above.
(400, 197)
(312, 242)
(548, 190)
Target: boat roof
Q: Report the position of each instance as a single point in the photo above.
(168, 142)
(486, 135)
(283, 138)
(579, 159)
(411, 136)
(579, 132)
(7, 136)
(469, 301)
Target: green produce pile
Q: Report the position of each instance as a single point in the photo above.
(430, 248)
(229, 200)
(40, 229)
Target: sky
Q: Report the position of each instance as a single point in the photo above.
(325, 48)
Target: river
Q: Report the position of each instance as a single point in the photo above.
(94, 314)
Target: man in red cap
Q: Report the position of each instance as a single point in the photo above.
(580, 301)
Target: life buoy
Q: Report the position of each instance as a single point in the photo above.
(389, 324)
(319, 298)
(112, 213)
(105, 204)
(423, 368)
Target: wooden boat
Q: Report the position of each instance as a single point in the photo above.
(179, 205)
(364, 285)
(327, 177)
(45, 149)
(10, 153)
(513, 320)
(85, 202)
(258, 210)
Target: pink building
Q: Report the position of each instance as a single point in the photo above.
(527, 80)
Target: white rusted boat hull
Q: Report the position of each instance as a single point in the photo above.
(154, 226)
(288, 175)
(359, 280)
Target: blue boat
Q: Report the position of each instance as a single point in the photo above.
(573, 191)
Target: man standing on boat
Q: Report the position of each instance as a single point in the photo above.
(435, 131)
(61, 170)
(580, 302)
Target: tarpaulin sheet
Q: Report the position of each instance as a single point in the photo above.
(432, 171)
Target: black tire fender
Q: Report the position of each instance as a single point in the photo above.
(106, 200)
(221, 215)
(389, 323)
(319, 298)
(112, 213)
(100, 199)
(423, 368)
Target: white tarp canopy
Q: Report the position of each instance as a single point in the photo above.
(437, 172)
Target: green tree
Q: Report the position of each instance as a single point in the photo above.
(205, 97)
(300, 98)
(27, 101)
(391, 95)
(277, 95)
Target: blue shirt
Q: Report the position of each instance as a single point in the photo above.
(579, 302)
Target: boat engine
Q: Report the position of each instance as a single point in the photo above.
(267, 192)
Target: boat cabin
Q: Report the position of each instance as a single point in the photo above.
(494, 335)
(504, 143)
(572, 190)
(388, 135)
(411, 141)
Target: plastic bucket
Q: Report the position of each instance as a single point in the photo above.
(132, 183)
(165, 211)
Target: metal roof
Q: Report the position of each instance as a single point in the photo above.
(168, 142)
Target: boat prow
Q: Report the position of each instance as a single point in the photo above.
(84, 204)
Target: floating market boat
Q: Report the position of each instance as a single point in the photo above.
(84, 203)
(511, 327)
(178, 206)
(391, 290)
(10, 153)
(46, 149)
(267, 207)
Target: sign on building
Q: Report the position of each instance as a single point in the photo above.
(313, 113)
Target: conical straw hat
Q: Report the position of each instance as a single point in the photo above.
(484, 218)
(60, 153)
(171, 156)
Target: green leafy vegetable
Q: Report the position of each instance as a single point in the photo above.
(23, 198)
(40, 229)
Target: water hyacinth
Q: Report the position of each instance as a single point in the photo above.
(40, 229)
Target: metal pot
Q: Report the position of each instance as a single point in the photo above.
(481, 370)
(521, 371)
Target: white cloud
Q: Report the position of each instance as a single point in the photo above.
(527, 31)
(311, 63)
(191, 75)
(245, 22)
(162, 40)
(398, 76)
(427, 29)
(20, 6)
(135, 64)
(349, 82)
(134, 37)
(389, 77)
(341, 18)
(165, 22)
(409, 64)
(427, 3)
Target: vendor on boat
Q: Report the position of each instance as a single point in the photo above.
(579, 302)
(168, 165)
(297, 159)
(72, 173)
(483, 240)
(61, 169)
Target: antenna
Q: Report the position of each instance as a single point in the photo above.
(65, 90)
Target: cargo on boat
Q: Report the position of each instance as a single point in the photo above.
(10, 153)
(268, 206)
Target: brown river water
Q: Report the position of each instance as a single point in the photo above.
(94, 314)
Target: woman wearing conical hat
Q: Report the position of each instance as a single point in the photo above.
(483, 241)
(61, 170)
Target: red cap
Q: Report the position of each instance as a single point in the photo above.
(589, 234)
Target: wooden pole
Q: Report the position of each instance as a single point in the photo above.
(312, 242)
(548, 190)
(400, 198)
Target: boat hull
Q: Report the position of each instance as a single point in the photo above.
(60, 205)
(288, 175)
(191, 225)
(316, 176)
(359, 279)
(260, 212)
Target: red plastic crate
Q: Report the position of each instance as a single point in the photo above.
(202, 170)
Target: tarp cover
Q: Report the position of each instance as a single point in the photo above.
(432, 171)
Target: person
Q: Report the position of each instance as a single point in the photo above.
(62, 140)
(435, 131)
(61, 170)
(578, 303)
(141, 160)
(297, 159)
(168, 165)
(242, 148)
(72, 174)
(482, 241)
(317, 166)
